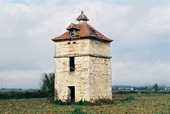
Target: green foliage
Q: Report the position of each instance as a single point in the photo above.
(125, 92)
(60, 102)
(47, 83)
(57, 102)
(154, 103)
(100, 102)
(127, 99)
(78, 111)
(23, 95)
(82, 103)
(87, 103)
(155, 87)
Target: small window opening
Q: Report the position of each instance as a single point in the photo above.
(72, 93)
(72, 66)
(68, 42)
(74, 42)
(73, 32)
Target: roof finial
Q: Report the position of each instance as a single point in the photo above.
(82, 17)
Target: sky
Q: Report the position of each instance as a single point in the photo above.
(140, 30)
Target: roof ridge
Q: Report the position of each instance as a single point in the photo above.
(72, 25)
(86, 27)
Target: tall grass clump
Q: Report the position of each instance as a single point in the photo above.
(78, 111)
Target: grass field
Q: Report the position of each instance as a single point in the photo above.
(123, 104)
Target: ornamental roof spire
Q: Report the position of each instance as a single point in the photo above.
(82, 17)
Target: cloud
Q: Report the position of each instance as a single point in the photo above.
(137, 73)
(17, 79)
(140, 30)
(157, 20)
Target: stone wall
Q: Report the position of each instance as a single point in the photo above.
(73, 47)
(99, 48)
(100, 78)
(79, 78)
(82, 47)
(92, 75)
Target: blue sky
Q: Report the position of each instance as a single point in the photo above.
(140, 30)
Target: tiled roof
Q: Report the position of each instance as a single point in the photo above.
(83, 30)
(72, 25)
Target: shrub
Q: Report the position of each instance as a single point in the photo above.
(128, 99)
(82, 103)
(87, 103)
(23, 95)
(57, 102)
(47, 83)
(99, 102)
(78, 111)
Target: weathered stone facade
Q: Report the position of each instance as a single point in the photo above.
(91, 77)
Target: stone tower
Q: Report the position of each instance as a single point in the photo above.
(82, 63)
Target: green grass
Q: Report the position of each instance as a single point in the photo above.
(122, 103)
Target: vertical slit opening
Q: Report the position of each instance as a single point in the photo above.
(72, 66)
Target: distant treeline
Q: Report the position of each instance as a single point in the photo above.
(149, 88)
(135, 92)
(23, 95)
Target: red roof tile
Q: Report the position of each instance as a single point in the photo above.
(83, 30)
(72, 25)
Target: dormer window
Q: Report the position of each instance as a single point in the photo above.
(73, 32)
(92, 32)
